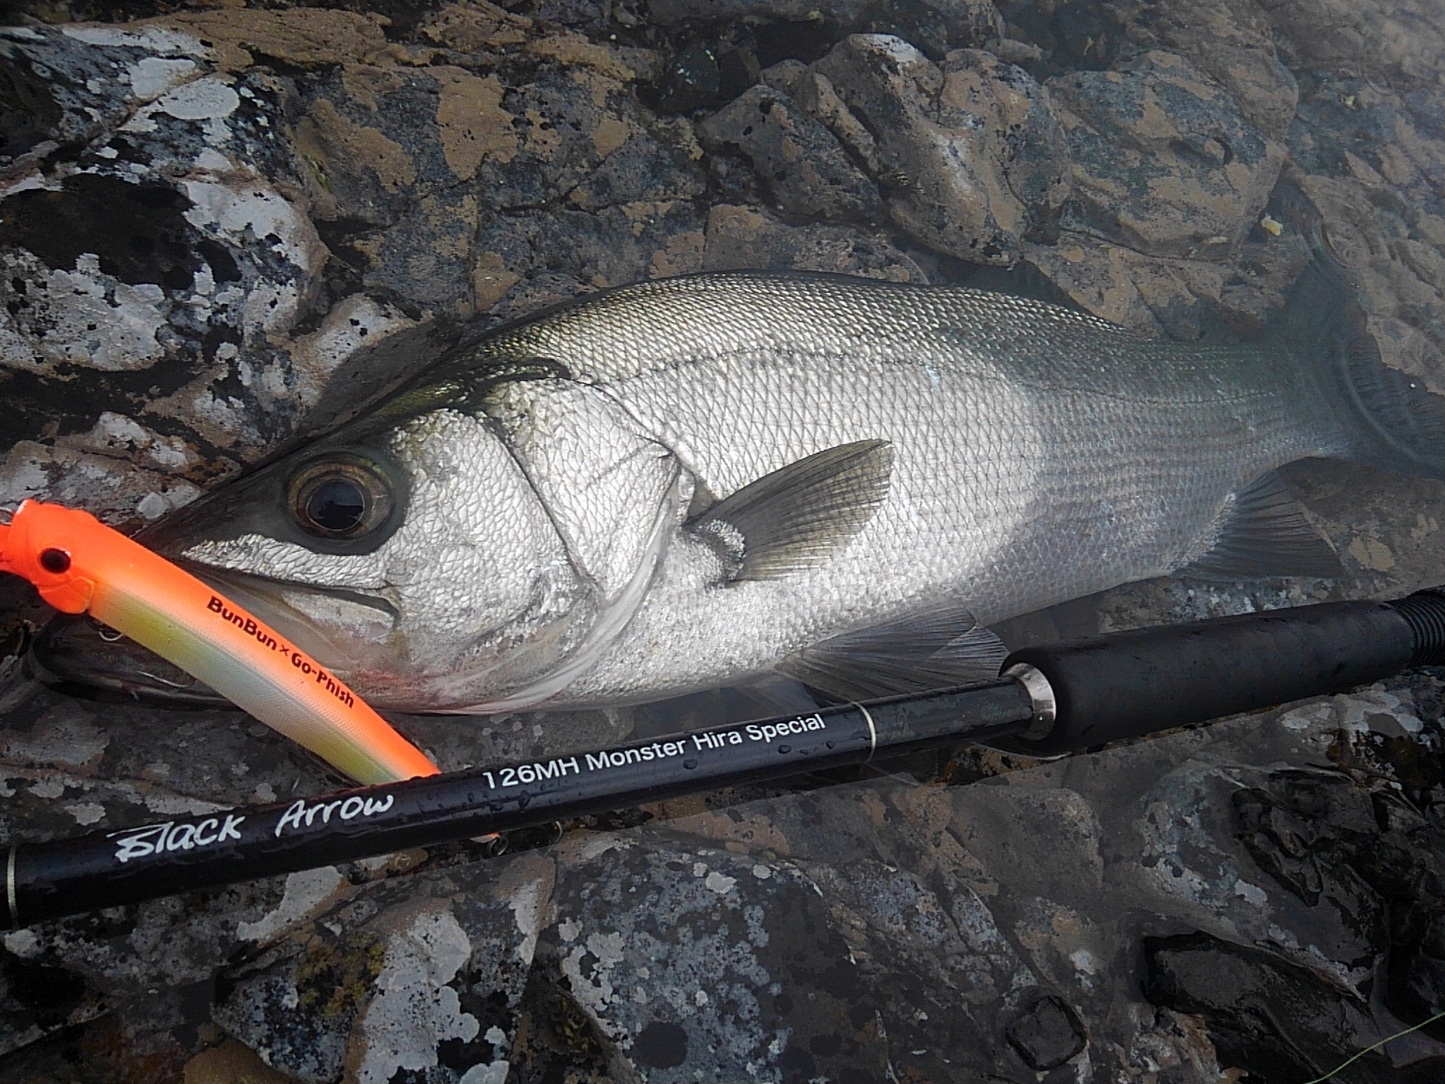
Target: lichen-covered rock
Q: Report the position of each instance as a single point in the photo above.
(971, 156)
(422, 977)
(216, 239)
(1379, 40)
(739, 237)
(798, 161)
(1232, 42)
(935, 25)
(162, 252)
(1256, 1001)
(1164, 160)
(1155, 295)
(780, 970)
(271, 214)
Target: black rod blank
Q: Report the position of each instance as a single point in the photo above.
(1052, 699)
(184, 854)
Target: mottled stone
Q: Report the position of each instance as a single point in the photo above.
(740, 237)
(777, 970)
(1273, 1014)
(425, 976)
(814, 91)
(1046, 1034)
(1164, 160)
(1156, 295)
(1232, 42)
(796, 159)
(936, 25)
(162, 251)
(268, 229)
(1379, 40)
(971, 156)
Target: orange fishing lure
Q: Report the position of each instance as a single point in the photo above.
(79, 564)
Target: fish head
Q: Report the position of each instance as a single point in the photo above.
(408, 552)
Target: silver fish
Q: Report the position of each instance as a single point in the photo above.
(698, 481)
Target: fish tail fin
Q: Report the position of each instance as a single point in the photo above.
(1384, 417)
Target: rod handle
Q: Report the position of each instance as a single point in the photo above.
(1127, 685)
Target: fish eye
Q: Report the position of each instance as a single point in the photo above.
(339, 499)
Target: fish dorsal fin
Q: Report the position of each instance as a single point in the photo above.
(929, 649)
(798, 516)
(1262, 531)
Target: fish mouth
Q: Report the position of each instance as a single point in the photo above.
(78, 651)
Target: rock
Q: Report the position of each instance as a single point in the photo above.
(1402, 274)
(935, 25)
(163, 254)
(1156, 295)
(111, 263)
(970, 152)
(1233, 43)
(1269, 1015)
(1046, 1034)
(805, 966)
(799, 163)
(271, 214)
(693, 79)
(1164, 160)
(1379, 40)
(423, 976)
(815, 92)
(742, 237)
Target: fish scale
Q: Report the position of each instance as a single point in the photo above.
(1037, 485)
(699, 481)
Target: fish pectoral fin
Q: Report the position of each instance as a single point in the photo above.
(931, 649)
(1263, 531)
(798, 516)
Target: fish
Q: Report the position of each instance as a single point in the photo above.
(714, 479)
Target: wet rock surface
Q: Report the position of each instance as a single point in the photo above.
(972, 155)
(222, 227)
(1157, 136)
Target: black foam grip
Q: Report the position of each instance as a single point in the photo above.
(1126, 685)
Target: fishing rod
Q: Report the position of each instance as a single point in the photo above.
(1049, 700)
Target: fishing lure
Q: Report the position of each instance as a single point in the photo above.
(81, 565)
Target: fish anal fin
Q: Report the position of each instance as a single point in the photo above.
(931, 649)
(1263, 531)
(798, 516)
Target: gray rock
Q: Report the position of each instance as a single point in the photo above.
(778, 970)
(1164, 160)
(799, 163)
(1233, 43)
(422, 976)
(972, 157)
(161, 252)
(740, 237)
(1381, 40)
(935, 25)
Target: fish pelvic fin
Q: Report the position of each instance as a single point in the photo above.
(1387, 417)
(1263, 531)
(796, 517)
(928, 649)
